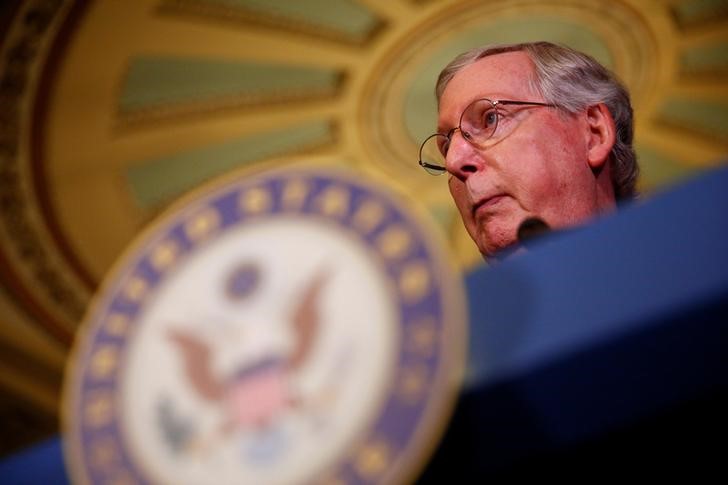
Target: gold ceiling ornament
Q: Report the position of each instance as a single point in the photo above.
(79, 181)
(38, 272)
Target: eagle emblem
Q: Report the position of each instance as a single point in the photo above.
(255, 394)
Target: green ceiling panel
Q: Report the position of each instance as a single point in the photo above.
(696, 11)
(345, 16)
(155, 81)
(712, 58)
(657, 169)
(710, 118)
(158, 180)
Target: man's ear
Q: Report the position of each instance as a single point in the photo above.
(601, 135)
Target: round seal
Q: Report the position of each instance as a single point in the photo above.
(292, 327)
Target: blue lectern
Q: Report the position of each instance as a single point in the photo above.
(602, 349)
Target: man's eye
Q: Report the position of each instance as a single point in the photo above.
(490, 118)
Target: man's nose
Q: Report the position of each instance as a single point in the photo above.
(462, 157)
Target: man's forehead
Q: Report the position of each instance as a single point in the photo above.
(505, 75)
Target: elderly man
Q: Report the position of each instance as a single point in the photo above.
(530, 131)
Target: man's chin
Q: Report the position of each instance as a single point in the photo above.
(494, 250)
(496, 232)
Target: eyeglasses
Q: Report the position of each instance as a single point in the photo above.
(477, 124)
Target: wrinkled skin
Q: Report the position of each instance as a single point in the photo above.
(547, 164)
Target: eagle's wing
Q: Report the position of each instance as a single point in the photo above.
(196, 357)
(306, 318)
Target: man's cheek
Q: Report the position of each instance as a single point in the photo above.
(454, 185)
(534, 190)
(459, 195)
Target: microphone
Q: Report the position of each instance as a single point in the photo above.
(531, 230)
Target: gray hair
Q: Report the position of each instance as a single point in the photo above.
(572, 81)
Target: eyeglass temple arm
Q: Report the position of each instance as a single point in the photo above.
(507, 101)
(431, 166)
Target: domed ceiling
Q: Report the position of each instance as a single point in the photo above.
(112, 110)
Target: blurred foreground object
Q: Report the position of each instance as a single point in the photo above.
(293, 326)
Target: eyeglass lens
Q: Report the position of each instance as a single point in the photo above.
(477, 123)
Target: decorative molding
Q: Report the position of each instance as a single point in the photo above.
(30, 261)
(242, 16)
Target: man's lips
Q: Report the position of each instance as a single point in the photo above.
(487, 203)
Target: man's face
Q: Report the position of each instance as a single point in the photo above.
(539, 168)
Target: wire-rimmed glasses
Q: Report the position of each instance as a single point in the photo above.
(478, 123)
